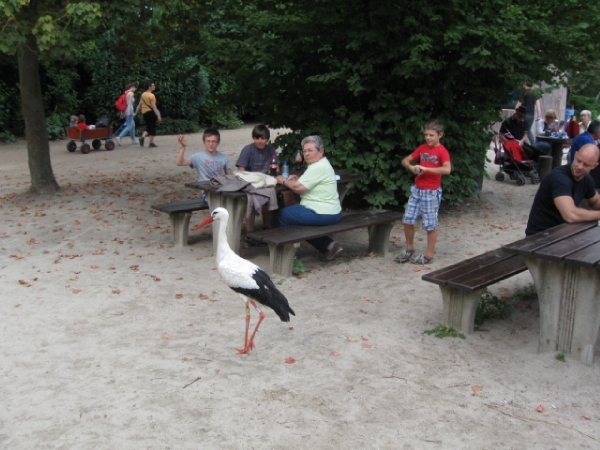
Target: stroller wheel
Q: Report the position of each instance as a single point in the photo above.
(520, 181)
(499, 176)
(535, 179)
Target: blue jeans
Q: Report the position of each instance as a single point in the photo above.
(129, 127)
(301, 215)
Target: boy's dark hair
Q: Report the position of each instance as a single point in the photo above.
(594, 127)
(435, 125)
(148, 84)
(211, 132)
(261, 131)
(81, 118)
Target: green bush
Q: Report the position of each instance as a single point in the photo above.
(55, 126)
(176, 126)
(581, 102)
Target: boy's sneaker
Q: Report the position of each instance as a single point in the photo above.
(135, 142)
(405, 256)
(421, 259)
(249, 242)
(142, 141)
(152, 144)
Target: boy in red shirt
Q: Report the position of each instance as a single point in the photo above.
(428, 163)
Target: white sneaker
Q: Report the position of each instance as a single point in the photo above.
(136, 142)
(118, 139)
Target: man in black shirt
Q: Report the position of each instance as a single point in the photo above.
(562, 190)
(514, 128)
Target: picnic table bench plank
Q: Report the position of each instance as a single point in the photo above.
(180, 214)
(560, 250)
(462, 284)
(281, 240)
(531, 244)
(586, 257)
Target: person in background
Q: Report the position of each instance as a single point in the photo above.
(81, 123)
(586, 118)
(319, 198)
(208, 163)
(572, 128)
(73, 121)
(428, 163)
(587, 137)
(150, 112)
(549, 125)
(562, 190)
(513, 132)
(532, 105)
(256, 157)
(129, 126)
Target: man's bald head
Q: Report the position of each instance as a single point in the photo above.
(585, 160)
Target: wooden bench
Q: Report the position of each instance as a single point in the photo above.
(180, 214)
(463, 283)
(281, 240)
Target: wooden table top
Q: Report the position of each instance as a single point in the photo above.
(575, 243)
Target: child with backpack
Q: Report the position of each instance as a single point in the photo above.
(128, 112)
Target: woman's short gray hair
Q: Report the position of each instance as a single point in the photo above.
(315, 140)
(585, 112)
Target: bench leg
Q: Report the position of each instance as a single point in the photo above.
(460, 308)
(180, 224)
(282, 259)
(379, 238)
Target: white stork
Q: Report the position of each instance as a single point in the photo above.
(247, 279)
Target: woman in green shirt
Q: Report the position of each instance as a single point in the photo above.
(319, 199)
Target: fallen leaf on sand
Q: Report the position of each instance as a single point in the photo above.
(94, 266)
(351, 339)
(203, 297)
(365, 345)
(18, 304)
(585, 417)
(290, 360)
(76, 291)
(364, 338)
(166, 337)
(116, 291)
(178, 295)
(26, 283)
(540, 408)
(476, 388)
(334, 353)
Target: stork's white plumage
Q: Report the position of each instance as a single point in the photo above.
(247, 279)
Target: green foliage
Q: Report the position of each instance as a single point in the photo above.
(55, 126)
(442, 331)
(526, 294)
(6, 136)
(491, 307)
(367, 76)
(177, 126)
(560, 357)
(298, 267)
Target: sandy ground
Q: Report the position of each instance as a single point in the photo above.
(105, 325)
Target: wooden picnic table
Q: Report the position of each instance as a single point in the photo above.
(564, 262)
(236, 203)
(557, 145)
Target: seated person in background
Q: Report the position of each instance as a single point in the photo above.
(586, 118)
(81, 123)
(572, 128)
(562, 190)
(549, 125)
(588, 137)
(320, 201)
(208, 163)
(513, 132)
(256, 157)
(73, 121)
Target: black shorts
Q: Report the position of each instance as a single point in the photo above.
(150, 119)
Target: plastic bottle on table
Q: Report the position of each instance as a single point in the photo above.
(298, 161)
(273, 166)
(285, 170)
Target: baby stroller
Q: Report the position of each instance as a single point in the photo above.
(511, 159)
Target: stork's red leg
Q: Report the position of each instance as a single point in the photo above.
(261, 316)
(246, 349)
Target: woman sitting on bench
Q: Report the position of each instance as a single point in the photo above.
(319, 199)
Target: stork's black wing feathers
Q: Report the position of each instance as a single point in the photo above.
(267, 294)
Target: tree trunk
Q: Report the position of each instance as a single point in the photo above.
(38, 148)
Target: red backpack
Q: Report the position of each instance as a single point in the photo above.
(121, 103)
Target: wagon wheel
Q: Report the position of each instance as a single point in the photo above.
(96, 144)
(109, 145)
(71, 146)
(85, 149)
(499, 176)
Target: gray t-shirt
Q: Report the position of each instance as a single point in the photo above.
(255, 160)
(208, 165)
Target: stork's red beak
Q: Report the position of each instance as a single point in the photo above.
(205, 222)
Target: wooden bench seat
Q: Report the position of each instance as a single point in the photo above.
(179, 215)
(281, 240)
(463, 283)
